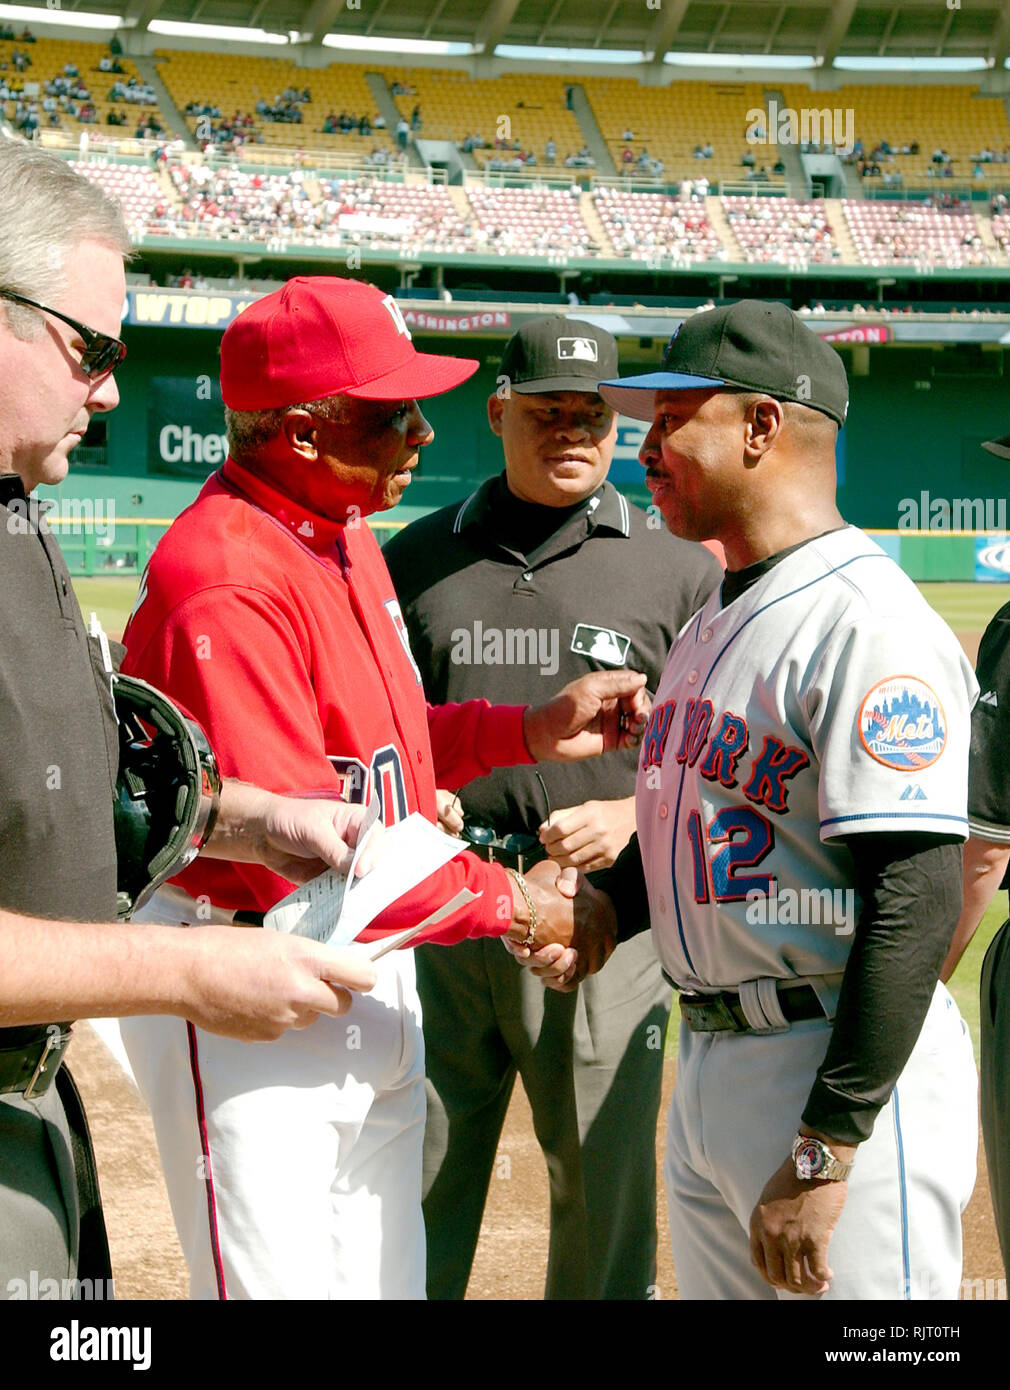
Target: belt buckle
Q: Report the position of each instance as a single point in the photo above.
(53, 1044)
(711, 1011)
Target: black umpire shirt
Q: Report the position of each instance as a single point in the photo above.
(508, 600)
(988, 783)
(57, 849)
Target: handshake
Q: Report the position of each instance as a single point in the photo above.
(574, 926)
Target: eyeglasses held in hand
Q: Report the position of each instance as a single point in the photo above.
(513, 843)
(102, 353)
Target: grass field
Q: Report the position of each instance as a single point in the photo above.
(110, 598)
(966, 607)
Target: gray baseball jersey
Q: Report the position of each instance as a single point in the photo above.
(827, 700)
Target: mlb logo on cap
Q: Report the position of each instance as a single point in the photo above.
(577, 350)
(556, 353)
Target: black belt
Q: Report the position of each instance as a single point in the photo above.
(723, 1013)
(30, 1069)
(521, 860)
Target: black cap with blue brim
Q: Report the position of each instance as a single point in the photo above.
(750, 346)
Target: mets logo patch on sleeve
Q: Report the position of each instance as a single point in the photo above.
(902, 724)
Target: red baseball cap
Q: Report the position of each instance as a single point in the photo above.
(322, 336)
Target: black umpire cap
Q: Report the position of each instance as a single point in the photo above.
(556, 353)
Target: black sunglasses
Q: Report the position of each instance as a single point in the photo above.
(102, 353)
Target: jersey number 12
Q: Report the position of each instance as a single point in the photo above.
(745, 839)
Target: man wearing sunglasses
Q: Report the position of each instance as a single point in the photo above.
(62, 245)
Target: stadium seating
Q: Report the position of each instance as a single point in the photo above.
(1001, 231)
(954, 119)
(782, 230)
(295, 208)
(134, 185)
(528, 107)
(668, 122)
(49, 57)
(530, 222)
(903, 233)
(641, 225)
(236, 82)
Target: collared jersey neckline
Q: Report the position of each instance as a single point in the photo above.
(319, 534)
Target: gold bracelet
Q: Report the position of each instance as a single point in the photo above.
(531, 931)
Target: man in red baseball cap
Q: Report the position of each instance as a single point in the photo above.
(268, 612)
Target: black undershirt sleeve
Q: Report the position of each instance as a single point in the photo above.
(624, 884)
(910, 886)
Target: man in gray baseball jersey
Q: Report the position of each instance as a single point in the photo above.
(801, 803)
(551, 554)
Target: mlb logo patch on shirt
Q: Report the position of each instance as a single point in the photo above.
(902, 724)
(601, 644)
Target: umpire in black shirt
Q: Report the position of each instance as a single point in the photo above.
(541, 574)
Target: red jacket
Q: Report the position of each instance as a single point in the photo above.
(280, 632)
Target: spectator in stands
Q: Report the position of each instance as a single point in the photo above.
(779, 168)
(747, 159)
(551, 150)
(402, 133)
(626, 155)
(415, 117)
(699, 153)
(629, 134)
(115, 47)
(708, 150)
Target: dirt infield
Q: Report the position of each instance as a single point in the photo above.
(512, 1254)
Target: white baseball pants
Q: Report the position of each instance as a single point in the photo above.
(735, 1110)
(294, 1167)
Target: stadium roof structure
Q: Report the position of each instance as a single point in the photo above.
(826, 30)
